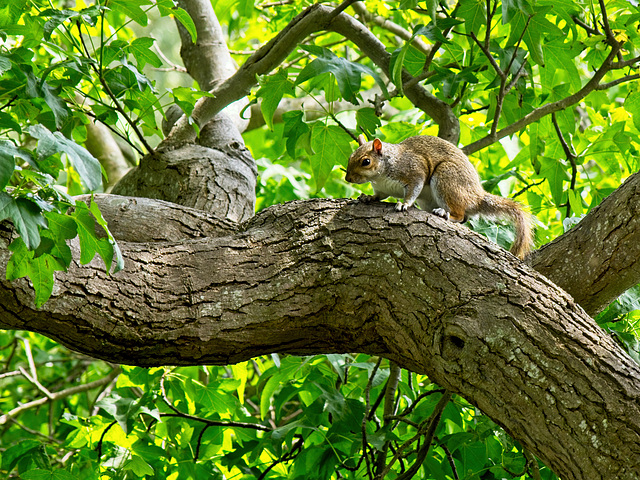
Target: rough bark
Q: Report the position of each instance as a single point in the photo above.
(599, 258)
(297, 278)
(207, 177)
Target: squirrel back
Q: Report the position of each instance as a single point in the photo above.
(437, 176)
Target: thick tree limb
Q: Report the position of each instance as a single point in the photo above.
(208, 61)
(599, 258)
(337, 276)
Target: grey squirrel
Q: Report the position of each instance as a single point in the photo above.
(437, 176)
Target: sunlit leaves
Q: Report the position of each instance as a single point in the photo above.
(272, 89)
(25, 216)
(140, 48)
(295, 128)
(83, 162)
(331, 145)
(368, 121)
(186, 98)
(132, 9)
(474, 14)
(348, 74)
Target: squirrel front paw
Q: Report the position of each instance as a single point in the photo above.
(441, 212)
(401, 207)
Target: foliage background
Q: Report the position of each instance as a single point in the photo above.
(290, 417)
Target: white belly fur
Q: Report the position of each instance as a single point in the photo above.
(386, 187)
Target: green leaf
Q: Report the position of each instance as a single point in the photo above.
(90, 243)
(9, 152)
(5, 65)
(123, 410)
(138, 466)
(61, 228)
(132, 9)
(368, 121)
(37, 474)
(434, 31)
(56, 104)
(56, 18)
(511, 7)
(215, 400)
(7, 162)
(142, 81)
(348, 74)
(474, 14)
(25, 216)
(632, 104)
(556, 175)
(272, 89)
(40, 271)
(559, 56)
(95, 210)
(575, 200)
(14, 453)
(332, 146)
(186, 98)
(187, 22)
(294, 129)
(396, 65)
(140, 48)
(537, 27)
(83, 162)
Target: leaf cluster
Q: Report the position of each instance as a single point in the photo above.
(318, 417)
(61, 70)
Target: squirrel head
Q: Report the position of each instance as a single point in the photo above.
(365, 163)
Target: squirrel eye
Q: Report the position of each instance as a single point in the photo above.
(366, 162)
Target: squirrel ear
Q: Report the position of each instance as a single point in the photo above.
(377, 145)
(361, 139)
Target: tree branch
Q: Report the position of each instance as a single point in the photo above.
(328, 276)
(58, 395)
(315, 18)
(546, 109)
(598, 259)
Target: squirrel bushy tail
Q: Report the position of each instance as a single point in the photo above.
(499, 207)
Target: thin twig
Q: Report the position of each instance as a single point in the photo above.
(104, 433)
(547, 108)
(427, 430)
(111, 95)
(434, 420)
(628, 78)
(571, 156)
(296, 448)
(451, 461)
(527, 187)
(367, 394)
(8, 104)
(58, 395)
(390, 407)
(213, 423)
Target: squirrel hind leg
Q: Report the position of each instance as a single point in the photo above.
(448, 215)
(447, 204)
(441, 212)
